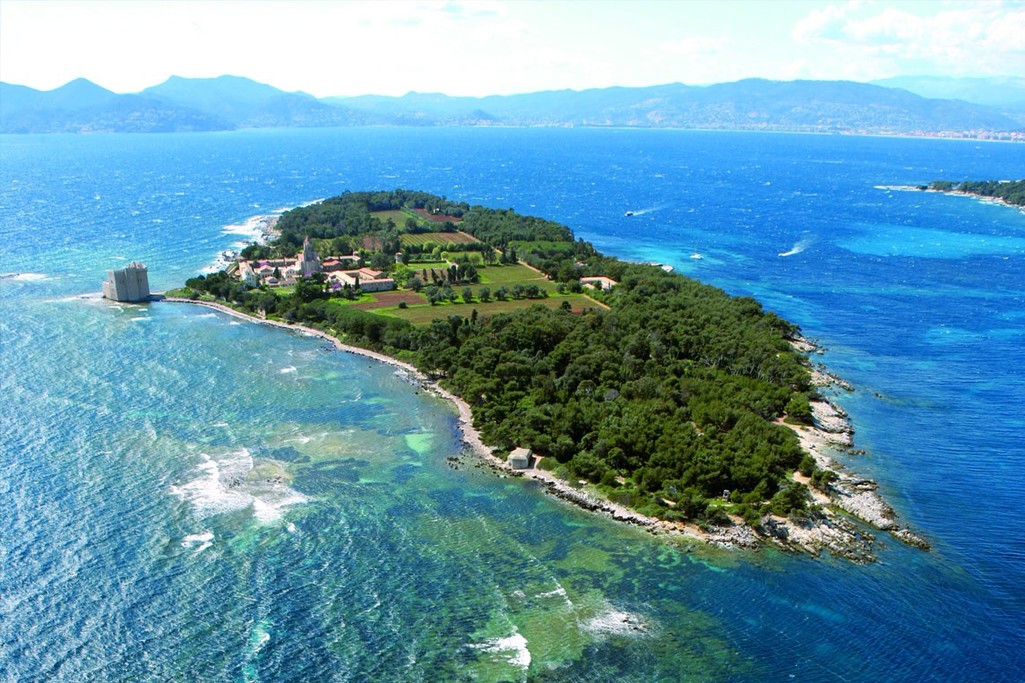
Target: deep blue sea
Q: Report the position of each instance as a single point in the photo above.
(188, 497)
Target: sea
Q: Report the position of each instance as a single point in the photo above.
(186, 496)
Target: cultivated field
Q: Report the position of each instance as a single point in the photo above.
(437, 219)
(390, 299)
(440, 239)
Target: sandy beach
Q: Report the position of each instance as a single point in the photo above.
(857, 497)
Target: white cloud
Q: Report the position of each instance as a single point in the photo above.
(956, 38)
(695, 45)
(499, 46)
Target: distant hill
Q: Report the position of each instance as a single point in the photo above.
(753, 104)
(84, 107)
(1004, 93)
(230, 102)
(247, 104)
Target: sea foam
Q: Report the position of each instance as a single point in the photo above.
(511, 649)
(224, 485)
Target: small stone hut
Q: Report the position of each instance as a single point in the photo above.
(519, 459)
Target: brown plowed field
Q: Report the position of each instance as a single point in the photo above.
(386, 299)
(436, 218)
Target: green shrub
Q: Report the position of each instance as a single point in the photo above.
(799, 410)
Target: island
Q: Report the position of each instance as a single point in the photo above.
(1010, 192)
(621, 387)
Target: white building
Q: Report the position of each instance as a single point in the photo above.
(365, 278)
(247, 274)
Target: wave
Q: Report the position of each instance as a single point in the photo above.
(225, 485)
(200, 541)
(258, 229)
(512, 649)
(616, 622)
(255, 227)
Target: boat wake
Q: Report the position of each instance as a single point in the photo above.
(641, 212)
(800, 246)
(24, 277)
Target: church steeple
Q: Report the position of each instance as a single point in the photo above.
(309, 262)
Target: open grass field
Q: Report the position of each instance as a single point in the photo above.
(397, 216)
(420, 265)
(441, 239)
(421, 315)
(510, 275)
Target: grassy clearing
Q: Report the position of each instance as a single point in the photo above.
(510, 275)
(365, 299)
(397, 216)
(421, 315)
(427, 265)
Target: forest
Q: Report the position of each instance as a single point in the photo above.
(665, 400)
(1012, 192)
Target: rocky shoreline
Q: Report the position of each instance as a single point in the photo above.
(817, 531)
(856, 496)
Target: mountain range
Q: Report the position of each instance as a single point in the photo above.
(908, 106)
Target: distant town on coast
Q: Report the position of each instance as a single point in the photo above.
(992, 109)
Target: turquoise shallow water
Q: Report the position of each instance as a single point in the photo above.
(189, 497)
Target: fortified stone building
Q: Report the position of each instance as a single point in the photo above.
(127, 284)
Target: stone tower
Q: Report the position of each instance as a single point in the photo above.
(309, 262)
(127, 284)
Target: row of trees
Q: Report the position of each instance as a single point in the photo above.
(499, 227)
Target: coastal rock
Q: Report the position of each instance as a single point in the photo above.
(832, 419)
(733, 536)
(860, 498)
(822, 378)
(817, 532)
(911, 538)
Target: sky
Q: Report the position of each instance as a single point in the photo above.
(500, 47)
